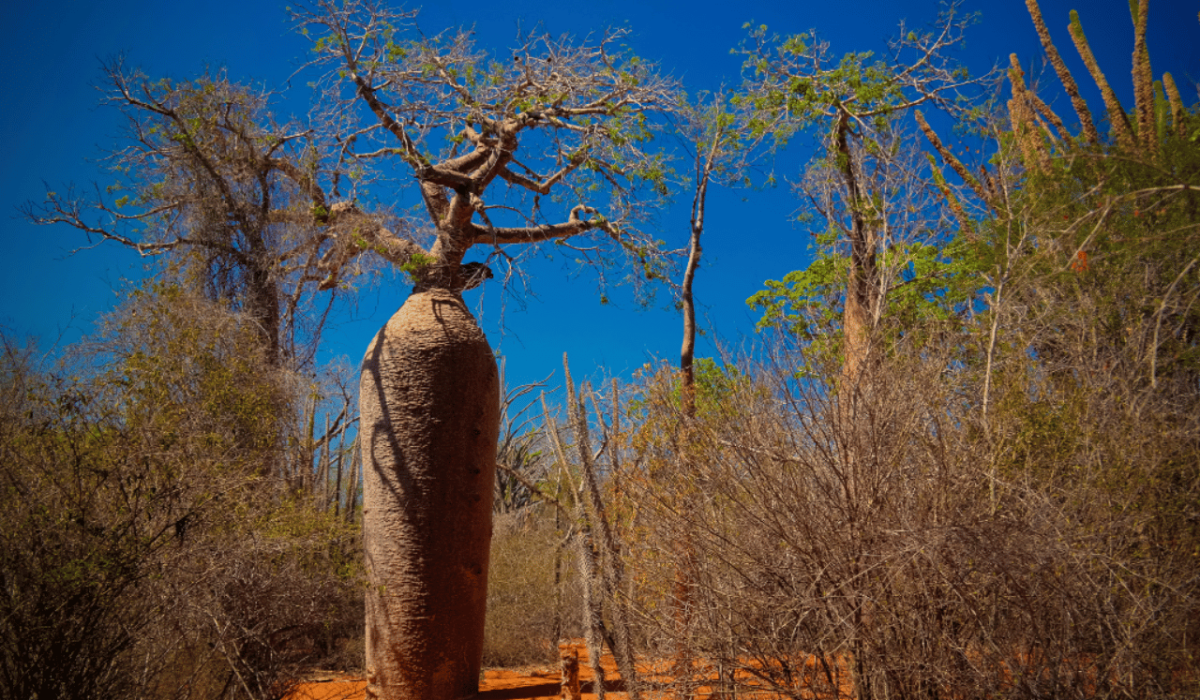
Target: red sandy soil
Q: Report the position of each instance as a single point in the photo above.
(502, 684)
(545, 682)
(497, 684)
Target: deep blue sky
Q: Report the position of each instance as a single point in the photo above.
(52, 131)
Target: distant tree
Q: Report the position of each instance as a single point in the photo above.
(717, 135)
(454, 118)
(861, 187)
(926, 262)
(867, 193)
(207, 179)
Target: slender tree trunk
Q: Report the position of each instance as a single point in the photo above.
(681, 587)
(684, 571)
(322, 487)
(263, 306)
(862, 284)
(430, 405)
(862, 296)
(352, 480)
(305, 477)
(687, 353)
(341, 464)
(558, 592)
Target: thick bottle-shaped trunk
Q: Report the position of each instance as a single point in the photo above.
(430, 418)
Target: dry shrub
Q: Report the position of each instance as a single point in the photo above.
(249, 619)
(828, 538)
(127, 576)
(283, 598)
(150, 542)
(533, 589)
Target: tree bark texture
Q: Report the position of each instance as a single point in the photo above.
(862, 286)
(430, 404)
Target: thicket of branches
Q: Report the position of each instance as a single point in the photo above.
(158, 539)
(998, 499)
(1001, 500)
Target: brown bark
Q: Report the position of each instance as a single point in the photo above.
(687, 352)
(685, 573)
(862, 285)
(430, 407)
(262, 302)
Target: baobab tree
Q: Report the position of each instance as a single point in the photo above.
(454, 117)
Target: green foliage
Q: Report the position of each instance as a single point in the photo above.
(807, 303)
(935, 287)
(416, 265)
(792, 87)
(886, 237)
(715, 382)
(1112, 257)
(1097, 375)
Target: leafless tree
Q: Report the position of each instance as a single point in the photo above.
(208, 180)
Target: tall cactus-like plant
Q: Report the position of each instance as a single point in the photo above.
(599, 559)
(1064, 75)
(1116, 113)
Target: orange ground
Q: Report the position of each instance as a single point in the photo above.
(545, 682)
(498, 684)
